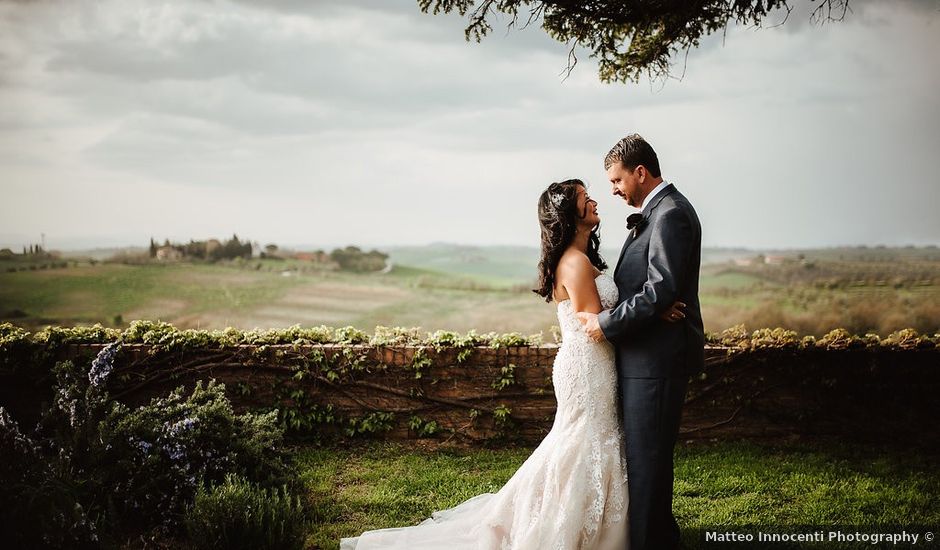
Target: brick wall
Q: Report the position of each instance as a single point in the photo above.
(861, 394)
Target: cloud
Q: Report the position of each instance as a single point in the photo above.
(375, 123)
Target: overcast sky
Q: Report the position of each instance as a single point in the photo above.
(371, 123)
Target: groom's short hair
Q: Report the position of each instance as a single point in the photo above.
(633, 151)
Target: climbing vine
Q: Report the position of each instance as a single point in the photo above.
(327, 382)
(506, 377)
(738, 338)
(422, 427)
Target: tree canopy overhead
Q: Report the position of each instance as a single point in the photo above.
(628, 37)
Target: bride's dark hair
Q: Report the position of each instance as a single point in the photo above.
(558, 218)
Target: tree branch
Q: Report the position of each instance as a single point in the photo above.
(633, 38)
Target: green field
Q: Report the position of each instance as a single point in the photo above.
(462, 288)
(215, 296)
(716, 485)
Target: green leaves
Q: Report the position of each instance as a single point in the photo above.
(738, 338)
(238, 514)
(163, 336)
(95, 465)
(629, 39)
(423, 428)
(371, 423)
(501, 415)
(506, 378)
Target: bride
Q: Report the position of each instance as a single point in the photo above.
(571, 492)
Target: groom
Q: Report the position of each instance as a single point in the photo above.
(658, 266)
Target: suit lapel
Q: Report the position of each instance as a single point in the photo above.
(623, 249)
(647, 212)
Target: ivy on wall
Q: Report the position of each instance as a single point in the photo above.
(163, 336)
(739, 338)
(173, 353)
(342, 360)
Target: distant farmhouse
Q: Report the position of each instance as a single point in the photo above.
(318, 256)
(168, 254)
(211, 249)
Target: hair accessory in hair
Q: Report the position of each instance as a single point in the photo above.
(557, 199)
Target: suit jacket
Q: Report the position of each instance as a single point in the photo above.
(657, 267)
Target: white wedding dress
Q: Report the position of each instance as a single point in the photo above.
(570, 493)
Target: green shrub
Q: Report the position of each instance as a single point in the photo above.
(237, 514)
(162, 451)
(95, 468)
(41, 502)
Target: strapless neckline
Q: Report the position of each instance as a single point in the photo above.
(599, 275)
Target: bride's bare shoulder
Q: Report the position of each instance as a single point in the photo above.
(574, 278)
(574, 269)
(574, 263)
(571, 260)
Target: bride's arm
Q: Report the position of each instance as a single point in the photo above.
(576, 274)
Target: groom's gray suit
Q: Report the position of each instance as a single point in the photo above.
(658, 265)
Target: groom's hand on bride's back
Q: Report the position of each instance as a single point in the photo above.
(590, 325)
(593, 329)
(674, 313)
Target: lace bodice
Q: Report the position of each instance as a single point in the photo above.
(584, 373)
(568, 321)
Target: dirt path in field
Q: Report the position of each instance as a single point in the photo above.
(161, 308)
(327, 303)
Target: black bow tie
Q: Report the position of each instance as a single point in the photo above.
(634, 220)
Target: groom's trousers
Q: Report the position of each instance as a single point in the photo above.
(652, 408)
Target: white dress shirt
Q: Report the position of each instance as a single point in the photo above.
(662, 185)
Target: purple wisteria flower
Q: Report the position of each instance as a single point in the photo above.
(66, 402)
(172, 434)
(10, 431)
(178, 427)
(103, 364)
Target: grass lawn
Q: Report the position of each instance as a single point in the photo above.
(725, 485)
